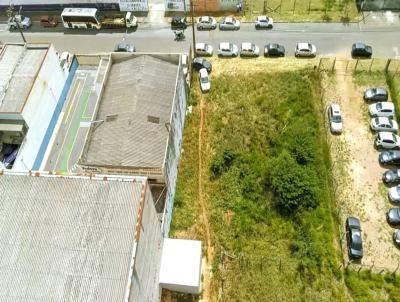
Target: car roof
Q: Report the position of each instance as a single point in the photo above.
(386, 105)
(203, 72)
(383, 119)
(381, 90)
(224, 45)
(353, 222)
(385, 135)
(359, 45)
(200, 45)
(204, 18)
(228, 19)
(262, 18)
(246, 45)
(302, 45)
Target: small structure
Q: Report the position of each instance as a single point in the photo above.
(31, 86)
(76, 238)
(139, 123)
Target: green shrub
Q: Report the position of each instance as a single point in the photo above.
(221, 162)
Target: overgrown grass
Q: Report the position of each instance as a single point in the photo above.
(276, 255)
(303, 10)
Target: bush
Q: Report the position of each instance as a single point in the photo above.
(294, 186)
(221, 162)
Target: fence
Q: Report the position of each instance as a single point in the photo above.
(358, 65)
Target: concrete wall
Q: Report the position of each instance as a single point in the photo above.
(39, 108)
(174, 148)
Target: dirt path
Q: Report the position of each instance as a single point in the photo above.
(360, 189)
(209, 247)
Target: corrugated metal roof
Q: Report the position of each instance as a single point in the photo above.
(136, 109)
(67, 239)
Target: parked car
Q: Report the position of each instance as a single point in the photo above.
(48, 21)
(354, 238)
(359, 49)
(226, 49)
(384, 124)
(264, 22)
(391, 176)
(206, 22)
(385, 109)
(376, 94)
(124, 47)
(204, 81)
(185, 63)
(229, 23)
(178, 22)
(274, 50)
(335, 118)
(389, 157)
(24, 22)
(305, 50)
(199, 63)
(387, 140)
(249, 50)
(393, 216)
(396, 238)
(204, 49)
(394, 194)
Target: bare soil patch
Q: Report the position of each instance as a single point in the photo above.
(358, 174)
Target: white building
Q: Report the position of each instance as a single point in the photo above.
(31, 87)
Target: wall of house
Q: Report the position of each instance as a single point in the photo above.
(174, 148)
(39, 108)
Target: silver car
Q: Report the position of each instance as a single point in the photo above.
(206, 22)
(384, 124)
(264, 22)
(229, 23)
(305, 50)
(385, 109)
(204, 49)
(335, 118)
(226, 49)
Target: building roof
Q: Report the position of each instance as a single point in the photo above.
(19, 65)
(135, 111)
(69, 238)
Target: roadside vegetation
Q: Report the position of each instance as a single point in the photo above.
(303, 10)
(266, 183)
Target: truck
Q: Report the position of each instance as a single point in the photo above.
(119, 21)
(23, 22)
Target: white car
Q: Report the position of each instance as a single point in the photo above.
(305, 50)
(385, 109)
(23, 22)
(264, 22)
(185, 62)
(387, 140)
(229, 23)
(204, 49)
(394, 194)
(249, 50)
(226, 49)
(384, 124)
(204, 81)
(206, 22)
(335, 118)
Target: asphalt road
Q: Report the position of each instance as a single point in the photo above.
(331, 39)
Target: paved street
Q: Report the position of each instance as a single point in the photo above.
(330, 39)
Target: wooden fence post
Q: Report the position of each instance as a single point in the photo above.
(347, 65)
(333, 65)
(387, 65)
(370, 65)
(355, 67)
(294, 6)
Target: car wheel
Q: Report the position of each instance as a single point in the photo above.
(24, 27)
(257, 26)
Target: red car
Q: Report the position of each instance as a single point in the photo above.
(49, 21)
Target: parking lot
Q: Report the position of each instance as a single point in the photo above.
(359, 188)
(75, 120)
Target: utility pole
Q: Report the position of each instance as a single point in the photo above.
(193, 31)
(11, 14)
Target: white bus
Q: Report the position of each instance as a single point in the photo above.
(81, 18)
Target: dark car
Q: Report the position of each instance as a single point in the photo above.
(199, 63)
(376, 94)
(274, 50)
(360, 50)
(389, 158)
(393, 216)
(178, 23)
(391, 176)
(124, 47)
(396, 238)
(354, 238)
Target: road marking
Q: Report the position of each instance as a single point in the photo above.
(72, 101)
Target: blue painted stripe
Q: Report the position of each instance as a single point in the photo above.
(56, 114)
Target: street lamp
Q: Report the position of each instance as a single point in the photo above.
(193, 31)
(11, 14)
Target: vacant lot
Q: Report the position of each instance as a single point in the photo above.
(304, 10)
(265, 185)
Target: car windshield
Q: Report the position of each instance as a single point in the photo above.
(379, 106)
(337, 118)
(394, 138)
(356, 236)
(398, 190)
(204, 79)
